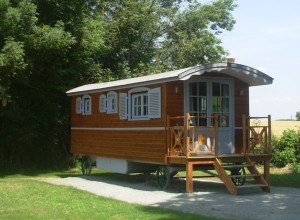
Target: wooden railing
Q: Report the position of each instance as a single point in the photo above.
(187, 139)
(256, 137)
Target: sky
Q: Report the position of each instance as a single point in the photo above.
(266, 36)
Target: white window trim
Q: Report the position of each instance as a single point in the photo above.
(130, 93)
(78, 107)
(86, 110)
(110, 97)
(141, 95)
(154, 103)
(102, 103)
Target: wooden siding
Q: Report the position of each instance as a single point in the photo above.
(115, 142)
(143, 145)
(148, 146)
(175, 102)
(241, 107)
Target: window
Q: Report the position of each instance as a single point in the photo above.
(112, 102)
(209, 98)
(102, 103)
(143, 103)
(139, 105)
(86, 105)
(78, 105)
(198, 102)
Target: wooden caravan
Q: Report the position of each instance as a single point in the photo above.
(187, 119)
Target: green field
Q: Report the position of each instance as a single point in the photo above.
(277, 127)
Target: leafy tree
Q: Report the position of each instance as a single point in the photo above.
(50, 46)
(151, 36)
(298, 116)
(43, 53)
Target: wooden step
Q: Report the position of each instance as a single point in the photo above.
(251, 186)
(246, 175)
(237, 166)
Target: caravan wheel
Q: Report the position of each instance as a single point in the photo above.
(86, 165)
(162, 177)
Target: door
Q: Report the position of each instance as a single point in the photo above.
(208, 97)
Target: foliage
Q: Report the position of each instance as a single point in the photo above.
(50, 46)
(32, 199)
(40, 59)
(151, 36)
(296, 167)
(286, 148)
(298, 116)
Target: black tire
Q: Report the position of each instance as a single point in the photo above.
(238, 181)
(86, 165)
(162, 177)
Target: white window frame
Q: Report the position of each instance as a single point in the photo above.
(153, 103)
(112, 102)
(78, 105)
(131, 93)
(140, 110)
(102, 103)
(86, 105)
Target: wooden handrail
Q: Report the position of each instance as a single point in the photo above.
(256, 135)
(185, 136)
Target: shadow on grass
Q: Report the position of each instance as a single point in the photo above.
(285, 180)
(39, 173)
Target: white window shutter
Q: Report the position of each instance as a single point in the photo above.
(123, 106)
(102, 103)
(155, 103)
(78, 106)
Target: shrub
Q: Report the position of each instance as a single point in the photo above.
(286, 148)
(296, 167)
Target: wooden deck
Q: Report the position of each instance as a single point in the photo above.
(185, 140)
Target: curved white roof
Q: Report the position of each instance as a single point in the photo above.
(247, 74)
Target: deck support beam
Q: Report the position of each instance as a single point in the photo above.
(189, 177)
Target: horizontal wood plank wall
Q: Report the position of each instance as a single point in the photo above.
(175, 101)
(146, 146)
(241, 102)
(90, 137)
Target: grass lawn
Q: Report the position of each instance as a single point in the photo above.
(284, 177)
(26, 198)
(22, 196)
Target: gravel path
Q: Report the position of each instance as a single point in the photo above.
(209, 198)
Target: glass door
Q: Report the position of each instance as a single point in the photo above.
(209, 97)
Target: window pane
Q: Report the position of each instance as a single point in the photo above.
(193, 104)
(203, 121)
(193, 89)
(225, 90)
(224, 120)
(216, 104)
(216, 89)
(202, 88)
(225, 105)
(145, 100)
(202, 104)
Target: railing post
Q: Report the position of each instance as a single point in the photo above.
(168, 136)
(217, 135)
(244, 118)
(187, 135)
(248, 133)
(269, 135)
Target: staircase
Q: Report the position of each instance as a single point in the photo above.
(236, 172)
